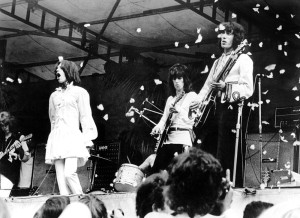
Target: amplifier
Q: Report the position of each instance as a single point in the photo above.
(287, 117)
(105, 158)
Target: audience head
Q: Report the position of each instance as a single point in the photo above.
(195, 182)
(76, 210)
(96, 206)
(290, 209)
(149, 194)
(255, 208)
(4, 213)
(53, 207)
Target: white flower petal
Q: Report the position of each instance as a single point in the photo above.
(270, 76)
(205, 70)
(100, 107)
(279, 47)
(186, 46)
(265, 122)
(261, 44)
(270, 67)
(105, 117)
(142, 88)
(132, 120)
(277, 16)
(264, 93)
(268, 101)
(298, 65)
(138, 30)
(282, 71)
(176, 44)
(266, 8)
(297, 98)
(157, 81)
(256, 10)
(233, 15)
(131, 100)
(279, 27)
(252, 147)
(213, 56)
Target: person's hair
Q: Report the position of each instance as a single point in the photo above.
(70, 69)
(149, 194)
(287, 209)
(53, 207)
(195, 182)
(237, 30)
(255, 208)
(4, 213)
(178, 71)
(96, 206)
(6, 118)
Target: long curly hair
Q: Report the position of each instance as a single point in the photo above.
(195, 182)
(237, 30)
(70, 69)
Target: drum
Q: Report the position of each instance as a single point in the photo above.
(128, 177)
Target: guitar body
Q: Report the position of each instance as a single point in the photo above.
(204, 110)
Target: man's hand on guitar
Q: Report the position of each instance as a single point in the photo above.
(173, 110)
(218, 86)
(156, 130)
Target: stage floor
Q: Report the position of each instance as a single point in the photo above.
(25, 207)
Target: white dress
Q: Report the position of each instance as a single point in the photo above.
(68, 110)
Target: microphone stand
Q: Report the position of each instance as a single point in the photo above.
(238, 128)
(260, 128)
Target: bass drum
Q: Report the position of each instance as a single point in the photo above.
(128, 177)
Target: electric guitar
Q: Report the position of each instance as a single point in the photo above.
(15, 145)
(205, 106)
(163, 135)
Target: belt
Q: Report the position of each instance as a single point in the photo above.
(178, 129)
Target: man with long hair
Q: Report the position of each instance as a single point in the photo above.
(179, 133)
(69, 108)
(218, 133)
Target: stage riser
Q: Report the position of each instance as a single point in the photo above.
(271, 142)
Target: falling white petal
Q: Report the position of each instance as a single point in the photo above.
(216, 29)
(280, 131)
(279, 47)
(198, 30)
(265, 122)
(286, 43)
(221, 27)
(261, 44)
(283, 139)
(277, 16)
(132, 120)
(285, 53)
(81, 64)
(256, 10)
(8, 79)
(131, 100)
(230, 107)
(249, 53)
(270, 67)
(293, 135)
(213, 56)
(199, 39)
(216, 1)
(279, 27)
(233, 15)
(186, 46)
(176, 44)
(157, 81)
(233, 130)
(252, 147)
(260, 102)
(298, 65)
(264, 93)
(298, 36)
(257, 5)
(268, 101)
(105, 117)
(292, 15)
(142, 88)
(129, 114)
(87, 25)
(282, 71)
(100, 107)
(60, 58)
(297, 98)
(199, 141)
(205, 70)
(270, 76)
(264, 152)
(19, 81)
(138, 30)
(295, 88)
(266, 8)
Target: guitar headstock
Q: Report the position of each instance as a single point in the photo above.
(241, 47)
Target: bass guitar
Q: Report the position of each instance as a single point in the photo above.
(163, 135)
(209, 100)
(15, 145)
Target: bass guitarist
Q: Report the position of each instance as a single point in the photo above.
(218, 131)
(175, 127)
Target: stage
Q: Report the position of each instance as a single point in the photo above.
(25, 207)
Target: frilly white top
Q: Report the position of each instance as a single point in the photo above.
(68, 109)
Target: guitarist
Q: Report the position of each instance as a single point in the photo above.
(11, 162)
(178, 132)
(218, 132)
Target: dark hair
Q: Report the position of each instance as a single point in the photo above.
(6, 118)
(53, 207)
(195, 182)
(178, 71)
(95, 205)
(237, 31)
(149, 194)
(255, 208)
(70, 69)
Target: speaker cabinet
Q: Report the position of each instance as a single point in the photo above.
(277, 154)
(105, 157)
